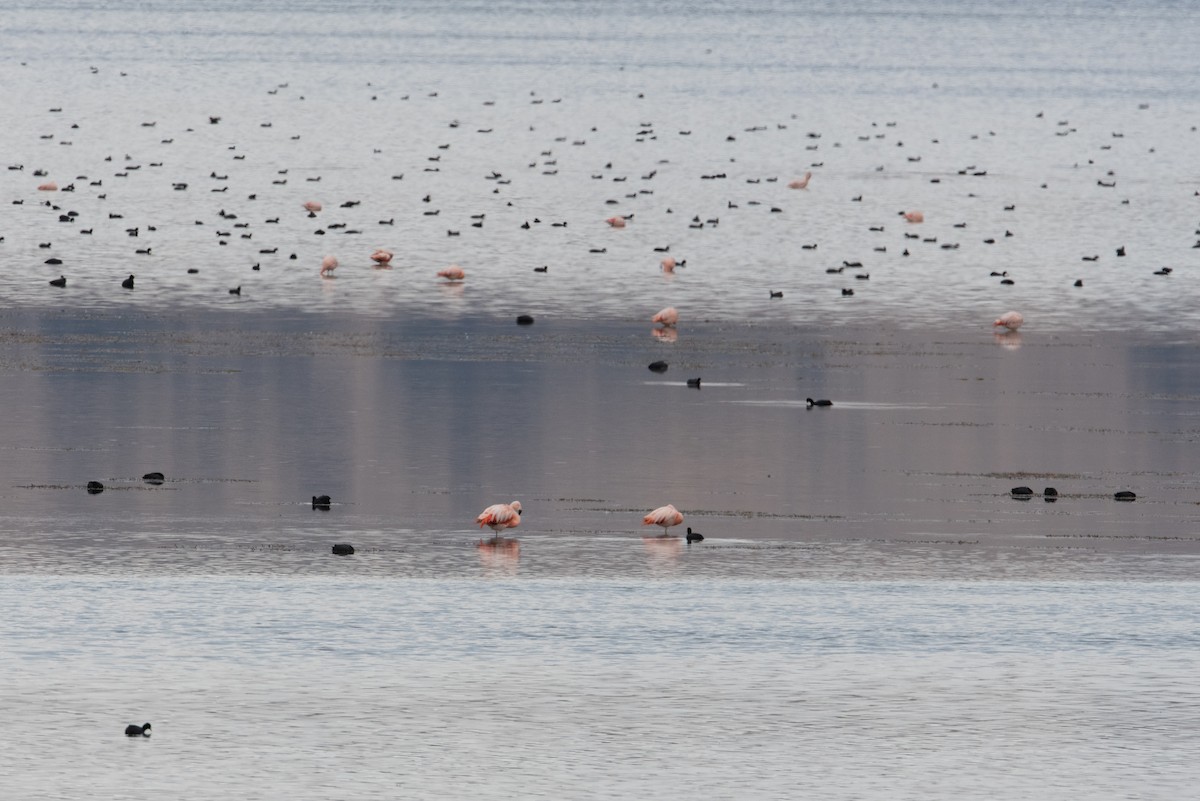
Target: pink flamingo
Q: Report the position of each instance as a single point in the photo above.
(382, 256)
(500, 516)
(452, 273)
(913, 216)
(49, 186)
(616, 222)
(668, 264)
(801, 183)
(312, 207)
(328, 265)
(1011, 320)
(665, 516)
(667, 317)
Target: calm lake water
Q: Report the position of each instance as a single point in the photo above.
(871, 614)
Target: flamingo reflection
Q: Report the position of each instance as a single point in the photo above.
(499, 552)
(662, 553)
(1009, 340)
(665, 334)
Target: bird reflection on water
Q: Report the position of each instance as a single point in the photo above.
(502, 554)
(1009, 340)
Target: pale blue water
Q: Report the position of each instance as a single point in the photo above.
(870, 617)
(503, 687)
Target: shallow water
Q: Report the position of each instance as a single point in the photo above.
(502, 687)
(871, 614)
(418, 425)
(866, 584)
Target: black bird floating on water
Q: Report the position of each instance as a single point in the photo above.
(60, 281)
(128, 282)
(343, 549)
(658, 367)
(95, 488)
(154, 478)
(822, 402)
(1021, 493)
(133, 730)
(1049, 495)
(1125, 495)
(524, 319)
(694, 382)
(321, 502)
(694, 536)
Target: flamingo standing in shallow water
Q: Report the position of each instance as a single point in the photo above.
(1011, 320)
(668, 264)
(665, 516)
(801, 183)
(452, 273)
(500, 516)
(667, 317)
(328, 265)
(312, 207)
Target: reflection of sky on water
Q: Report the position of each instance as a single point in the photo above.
(419, 425)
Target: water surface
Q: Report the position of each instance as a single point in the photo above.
(871, 614)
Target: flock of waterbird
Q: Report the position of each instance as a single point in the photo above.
(495, 203)
(53, 197)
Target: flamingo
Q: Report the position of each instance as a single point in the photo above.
(913, 216)
(665, 516)
(616, 222)
(800, 183)
(668, 317)
(49, 186)
(668, 264)
(500, 516)
(328, 265)
(1011, 320)
(381, 256)
(452, 273)
(312, 207)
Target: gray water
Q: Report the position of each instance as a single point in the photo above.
(997, 124)
(871, 615)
